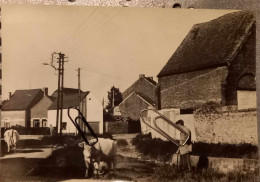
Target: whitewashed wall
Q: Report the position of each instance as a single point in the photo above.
(14, 117)
(246, 99)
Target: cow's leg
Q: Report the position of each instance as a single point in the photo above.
(114, 164)
(8, 147)
(98, 159)
(109, 162)
(87, 163)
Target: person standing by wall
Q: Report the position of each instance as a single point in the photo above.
(51, 129)
(184, 150)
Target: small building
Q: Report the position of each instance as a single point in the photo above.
(39, 112)
(216, 62)
(17, 110)
(91, 109)
(138, 96)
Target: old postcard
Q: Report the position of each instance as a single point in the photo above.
(133, 94)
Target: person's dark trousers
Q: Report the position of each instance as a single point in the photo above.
(185, 162)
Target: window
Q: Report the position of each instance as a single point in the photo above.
(7, 124)
(64, 125)
(44, 122)
(36, 123)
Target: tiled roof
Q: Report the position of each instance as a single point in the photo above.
(210, 44)
(23, 99)
(68, 100)
(67, 91)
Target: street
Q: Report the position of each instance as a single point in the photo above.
(43, 164)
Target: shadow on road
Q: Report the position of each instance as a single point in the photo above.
(28, 151)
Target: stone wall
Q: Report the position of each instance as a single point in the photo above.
(227, 127)
(224, 165)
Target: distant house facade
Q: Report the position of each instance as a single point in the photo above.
(91, 109)
(138, 96)
(17, 110)
(216, 62)
(39, 112)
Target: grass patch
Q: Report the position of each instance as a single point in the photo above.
(163, 150)
(169, 173)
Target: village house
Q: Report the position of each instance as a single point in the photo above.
(17, 110)
(91, 109)
(141, 94)
(39, 112)
(216, 62)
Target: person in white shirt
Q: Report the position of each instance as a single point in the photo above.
(186, 149)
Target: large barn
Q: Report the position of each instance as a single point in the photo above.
(216, 62)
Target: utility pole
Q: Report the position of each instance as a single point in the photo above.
(60, 70)
(61, 61)
(79, 96)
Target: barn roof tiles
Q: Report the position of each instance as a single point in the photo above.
(23, 99)
(210, 44)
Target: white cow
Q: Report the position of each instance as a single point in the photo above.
(103, 150)
(11, 137)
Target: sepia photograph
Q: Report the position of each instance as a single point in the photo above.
(128, 94)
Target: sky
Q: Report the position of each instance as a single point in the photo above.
(111, 45)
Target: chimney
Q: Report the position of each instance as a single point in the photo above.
(150, 77)
(10, 95)
(141, 75)
(45, 91)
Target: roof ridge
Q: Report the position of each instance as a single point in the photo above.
(147, 79)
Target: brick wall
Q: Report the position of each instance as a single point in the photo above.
(232, 128)
(191, 90)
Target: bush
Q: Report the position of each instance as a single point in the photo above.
(163, 150)
(122, 142)
(225, 150)
(155, 148)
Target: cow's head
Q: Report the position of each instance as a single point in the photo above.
(87, 149)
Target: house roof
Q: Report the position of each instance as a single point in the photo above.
(151, 81)
(141, 96)
(23, 99)
(68, 100)
(67, 91)
(210, 44)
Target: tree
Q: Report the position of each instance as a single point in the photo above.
(114, 98)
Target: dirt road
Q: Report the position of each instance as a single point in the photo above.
(34, 164)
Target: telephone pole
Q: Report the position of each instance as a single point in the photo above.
(79, 96)
(60, 69)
